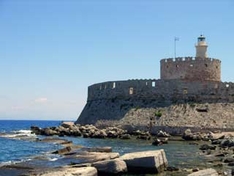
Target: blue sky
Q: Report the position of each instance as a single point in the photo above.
(52, 50)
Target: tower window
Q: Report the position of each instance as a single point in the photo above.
(185, 91)
(153, 84)
(113, 86)
(206, 65)
(130, 90)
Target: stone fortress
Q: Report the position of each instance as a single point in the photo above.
(189, 84)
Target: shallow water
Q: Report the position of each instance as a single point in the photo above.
(179, 153)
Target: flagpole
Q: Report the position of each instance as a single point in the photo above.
(174, 47)
(175, 39)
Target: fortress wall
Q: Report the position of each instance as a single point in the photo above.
(114, 100)
(167, 90)
(190, 68)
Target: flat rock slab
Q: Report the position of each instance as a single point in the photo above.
(147, 161)
(82, 171)
(111, 166)
(206, 172)
(96, 156)
(55, 140)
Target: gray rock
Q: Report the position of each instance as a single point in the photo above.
(82, 171)
(63, 151)
(206, 172)
(98, 149)
(188, 135)
(67, 124)
(207, 147)
(227, 143)
(228, 160)
(125, 136)
(111, 166)
(36, 130)
(157, 142)
(163, 134)
(147, 161)
(48, 132)
(92, 157)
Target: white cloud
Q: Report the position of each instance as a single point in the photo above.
(41, 100)
(17, 108)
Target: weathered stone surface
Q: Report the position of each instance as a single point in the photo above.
(229, 160)
(67, 124)
(207, 147)
(97, 156)
(98, 149)
(56, 141)
(125, 136)
(111, 166)
(227, 142)
(82, 171)
(188, 135)
(162, 134)
(148, 161)
(206, 172)
(63, 151)
(36, 130)
(48, 132)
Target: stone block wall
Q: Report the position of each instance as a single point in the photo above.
(189, 68)
(113, 100)
(170, 91)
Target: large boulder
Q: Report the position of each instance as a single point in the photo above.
(227, 142)
(67, 124)
(188, 135)
(36, 130)
(207, 147)
(82, 171)
(48, 132)
(91, 157)
(111, 166)
(206, 172)
(63, 151)
(147, 161)
(162, 134)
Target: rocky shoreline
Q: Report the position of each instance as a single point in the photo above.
(81, 160)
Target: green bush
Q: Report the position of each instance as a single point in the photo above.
(158, 113)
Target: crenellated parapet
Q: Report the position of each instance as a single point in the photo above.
(191, 68)
(162, 90)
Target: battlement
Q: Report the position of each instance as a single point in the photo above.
(184, 59)
(162, 90)
(191, 68)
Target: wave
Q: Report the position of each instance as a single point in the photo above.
(20, 134)
(7, 163)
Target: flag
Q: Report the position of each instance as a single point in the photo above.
(176, 38)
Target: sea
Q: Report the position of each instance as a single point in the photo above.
(17, 144)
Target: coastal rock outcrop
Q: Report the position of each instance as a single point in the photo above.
(150, 161)
(115, 166)
(206, 172)
(82, 171)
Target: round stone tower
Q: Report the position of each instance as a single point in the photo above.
(201, 47)
(200, 68)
